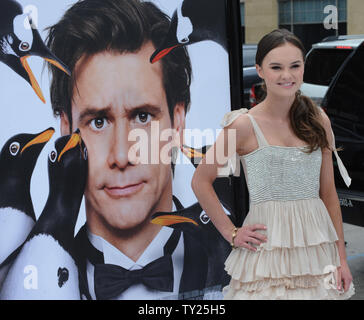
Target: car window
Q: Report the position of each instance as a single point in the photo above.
(345, 100)
(322, 64)
(249, 57)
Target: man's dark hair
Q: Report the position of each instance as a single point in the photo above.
(93, 26)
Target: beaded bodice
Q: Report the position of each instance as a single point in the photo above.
(281, 173)
(278, 172)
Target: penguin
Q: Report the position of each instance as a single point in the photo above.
(194, 221)
(17, 161)
(194, 21)
(17, 43)
(44, 266)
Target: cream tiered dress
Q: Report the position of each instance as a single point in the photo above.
(300, 257)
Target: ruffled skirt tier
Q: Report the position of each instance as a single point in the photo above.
(299, 260)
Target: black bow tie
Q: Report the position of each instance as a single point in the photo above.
(111, 280)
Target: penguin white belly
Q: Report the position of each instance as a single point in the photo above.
(15, 226)
(43, 270)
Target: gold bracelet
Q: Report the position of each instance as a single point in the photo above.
(235, 231)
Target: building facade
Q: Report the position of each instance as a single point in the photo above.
(310, 20)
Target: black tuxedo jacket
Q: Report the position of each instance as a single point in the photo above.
(194, 274)
(205, 252)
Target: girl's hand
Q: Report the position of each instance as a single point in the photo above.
(344, 277)
(247, 234)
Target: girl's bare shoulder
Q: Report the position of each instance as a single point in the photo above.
(238, 120)
(243, 130)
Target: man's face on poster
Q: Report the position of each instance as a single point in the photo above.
(114, 94)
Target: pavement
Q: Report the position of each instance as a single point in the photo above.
(354, 236)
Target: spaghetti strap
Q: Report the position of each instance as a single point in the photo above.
(232, 167)
(343, 172)
(231, 116)
(258, 133)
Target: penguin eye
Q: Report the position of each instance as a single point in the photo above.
(14, 148)
(24, 46)
(53, 155)
(204, 218)
(185, 40)
(85, 153)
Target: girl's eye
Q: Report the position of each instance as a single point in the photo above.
(98, 123)
(276, 68)
(296, 66)
(143, 117)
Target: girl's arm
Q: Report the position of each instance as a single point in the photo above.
(205, 175)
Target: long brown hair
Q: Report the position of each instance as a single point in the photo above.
(304, 114)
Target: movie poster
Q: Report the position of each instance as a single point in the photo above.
(187, 257)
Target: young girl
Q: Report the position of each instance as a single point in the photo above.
(291, 244)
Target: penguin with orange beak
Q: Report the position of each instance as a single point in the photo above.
(194, 21)
(194, 221)
(18, 43)
(49, 247)
(18, 158)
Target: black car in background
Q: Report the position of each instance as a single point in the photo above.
(250, 75)
(344, 105)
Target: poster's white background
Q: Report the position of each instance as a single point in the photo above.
(23, 112)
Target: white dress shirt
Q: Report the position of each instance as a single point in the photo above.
(112, 255)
